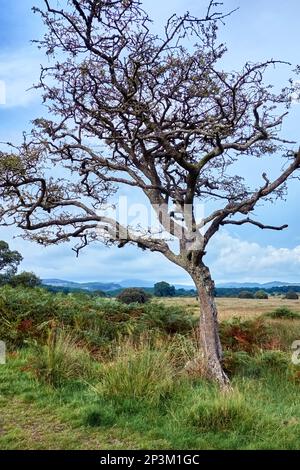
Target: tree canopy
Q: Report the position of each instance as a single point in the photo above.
(164, 289)
(155, 112)
(9, 260)
(25, 279)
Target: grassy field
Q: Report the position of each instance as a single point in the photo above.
(262, 412)
(60, 393)
(234, 307)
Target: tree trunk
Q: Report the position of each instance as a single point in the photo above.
(209, 327)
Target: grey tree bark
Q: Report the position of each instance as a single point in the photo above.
(209, 337)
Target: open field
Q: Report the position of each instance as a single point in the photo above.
(92, 373)
(234, 307)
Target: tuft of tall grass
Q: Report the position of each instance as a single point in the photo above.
(208, 410)
(137, 372)
(60, 359)
(171, 319)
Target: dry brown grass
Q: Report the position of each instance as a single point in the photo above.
(232, 307)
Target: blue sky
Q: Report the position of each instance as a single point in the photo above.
(261, 29)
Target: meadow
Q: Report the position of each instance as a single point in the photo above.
(235, 307)
(91, 373)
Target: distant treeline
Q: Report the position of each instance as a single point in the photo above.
(235, 292)
(74, 290)
(150, 290)
(114, 293)
(219, 291)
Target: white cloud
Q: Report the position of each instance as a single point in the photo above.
(234, 259)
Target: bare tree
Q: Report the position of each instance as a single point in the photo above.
(155, 112)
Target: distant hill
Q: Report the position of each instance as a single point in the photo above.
(89, 286)
(251, 285)
(135, 283)
(112, 286)
(107, 286)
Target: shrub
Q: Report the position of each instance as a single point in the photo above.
(245, 294)
(170, 319)
(274, 361)
(20, 314)
(291, 295)
(25, 314)
(132, 295)
(283, 312)
(60, 359)
(261, 294)
(258, 365)
(235, 362)
(249, 335)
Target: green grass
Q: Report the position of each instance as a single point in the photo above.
(88, 373)
(283, 313)
(262, 411)
(37, 416)
(139, 373)
(61, 359)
